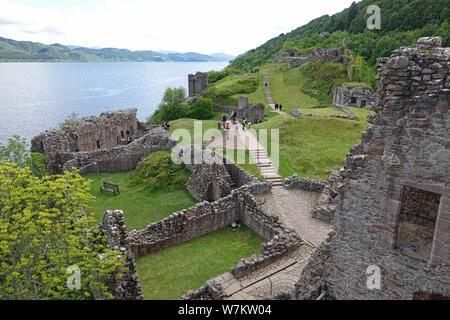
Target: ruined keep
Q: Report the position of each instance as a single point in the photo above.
(295, 58)
(197, 83)
(393, 208)
(114, 141)
(252, 112)
(354, 96)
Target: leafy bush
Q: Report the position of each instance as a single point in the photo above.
(72, 118)
(44, 231)
(171, 106)
(322, 78)
(17, 151)
(158, 172)
(202, 109)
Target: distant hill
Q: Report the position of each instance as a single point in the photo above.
(26, 51)
(402, 23)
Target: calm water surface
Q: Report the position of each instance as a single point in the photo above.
(38, 96)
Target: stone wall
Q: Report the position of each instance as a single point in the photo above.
(406, 145)
(296, 59)
(325, 207)
(209, 182)
(185, 225)
(354, 96)
(126, 287)
(307, 184)
(103, 132)
(120, 158)
(102, 140)
(197, 83)
(252, 112)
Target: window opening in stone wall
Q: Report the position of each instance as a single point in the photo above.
(353, 100)
(363, 103)
(417, 222)
(122, 134)
(98, 144)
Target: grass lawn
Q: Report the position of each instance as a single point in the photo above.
(170, 273)
(285, 88)
(140, 206)
(311, 147)
(188, 124)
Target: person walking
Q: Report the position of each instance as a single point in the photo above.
(244, 121)
(281, 107)
(236, 126)
(227, 130)
(224, 120)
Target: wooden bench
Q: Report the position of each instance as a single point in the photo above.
(109, 187)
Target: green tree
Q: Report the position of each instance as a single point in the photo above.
(17, 151)
(171, 106)
(43, 231)
(202, 109)
(71, 118)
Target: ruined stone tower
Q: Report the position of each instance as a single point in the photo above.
(392, 222)
(197, 83)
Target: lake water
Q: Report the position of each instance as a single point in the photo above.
(38, 96)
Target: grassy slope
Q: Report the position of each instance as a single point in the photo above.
(170, 273)
(140, 206)
(311, 147)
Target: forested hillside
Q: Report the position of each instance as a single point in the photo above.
(402, 23)
(11, 50)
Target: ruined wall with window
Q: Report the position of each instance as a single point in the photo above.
(114, 141)
(393, 210)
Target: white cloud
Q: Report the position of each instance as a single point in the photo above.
(206, 26)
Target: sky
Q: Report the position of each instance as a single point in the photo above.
(205, 26)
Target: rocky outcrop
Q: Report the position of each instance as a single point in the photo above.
(297, 113)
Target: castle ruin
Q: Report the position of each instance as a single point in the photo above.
(197, 83)
(392, 217)
(354, 96)
(114, 141)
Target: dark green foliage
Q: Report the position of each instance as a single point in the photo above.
(202, 109)
(158, 172)
(72, 118)
(214, 76)
(171, 107)
(17, 151)
(224, 95)
(402, 23)
(11, 50)
(321, 78)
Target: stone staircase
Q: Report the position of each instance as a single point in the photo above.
(265, 166)
(232, 184)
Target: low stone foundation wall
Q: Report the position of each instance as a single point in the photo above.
(184, 225)
(306, 184)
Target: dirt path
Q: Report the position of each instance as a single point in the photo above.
(270, 100)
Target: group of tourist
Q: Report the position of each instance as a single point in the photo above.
(166, 126)
(256, 70)
(227, 125)
(278, 107)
